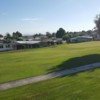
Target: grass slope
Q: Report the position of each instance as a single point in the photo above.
(25, 63)
(81, 86)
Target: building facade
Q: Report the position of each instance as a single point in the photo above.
(6, 46)
(81, 39)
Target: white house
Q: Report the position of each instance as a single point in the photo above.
(81, 39)
(6, 46)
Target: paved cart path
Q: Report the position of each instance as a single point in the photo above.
(36, 79)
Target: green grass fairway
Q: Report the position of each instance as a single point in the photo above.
(26, 63)
(81, 86)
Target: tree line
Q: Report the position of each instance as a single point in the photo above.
(60, 33)
(15, 36)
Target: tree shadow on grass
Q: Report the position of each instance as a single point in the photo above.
(76, 62)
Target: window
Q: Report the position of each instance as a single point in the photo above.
(1, 46)
(8, 46)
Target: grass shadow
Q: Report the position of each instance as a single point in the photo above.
(76, 62)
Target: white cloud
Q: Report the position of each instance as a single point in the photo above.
(30, 19)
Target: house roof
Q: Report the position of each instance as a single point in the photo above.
(27, 42)
(89, 37)
(1, 38)
(85, 37)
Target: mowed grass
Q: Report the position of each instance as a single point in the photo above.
(26, 63)
(80, 86)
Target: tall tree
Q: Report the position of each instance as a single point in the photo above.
(54, 34)
(17, 35)
(48, 34)
(1, 35)
(66, 37)
(89, 32)
(40, 34)
(35, 35)
(8, 37)
(60, 33)
(97, 22)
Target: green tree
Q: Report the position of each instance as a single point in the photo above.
(60, 33)
(82, 33)
(48, 34)
(40, 34)
(8, 38)
(97, 22)
(17, 35)
(54, 34)
(67, 37)
(1, 35)
(35, 35)
(89, 32)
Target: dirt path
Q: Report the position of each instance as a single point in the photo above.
(36, 79)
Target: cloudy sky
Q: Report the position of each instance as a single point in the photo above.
(33, 16)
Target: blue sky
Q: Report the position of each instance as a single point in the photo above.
(34, 16)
